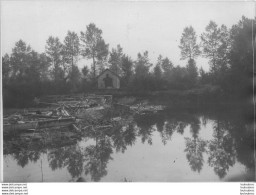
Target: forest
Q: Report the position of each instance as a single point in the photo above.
(27, 74)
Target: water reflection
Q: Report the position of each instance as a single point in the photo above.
(195, 146)
(221, 150)
(231, 141)
(194, 152)
(91, 160)
(145, 124)
(70, 157)
(124, 136)
(23, 157)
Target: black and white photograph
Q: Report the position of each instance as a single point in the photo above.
(128, 91)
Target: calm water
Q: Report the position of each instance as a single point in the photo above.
(167, 146)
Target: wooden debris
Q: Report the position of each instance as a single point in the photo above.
(75, 127)
(56, 122)
(143, 109)
(67, 109)
(121, 107)
(43, 124)
(17, 127)
(103, 126)
(116, 119)
(40, 116)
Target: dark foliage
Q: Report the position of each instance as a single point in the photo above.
(27, 74)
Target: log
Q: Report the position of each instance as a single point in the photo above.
(16, 127)
(41, 116)
(75, 127)
(104, 126)
(56, 122)
(40, 124)
(121, 107)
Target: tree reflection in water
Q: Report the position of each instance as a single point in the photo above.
(24, 156)
(168, 131)
(70, 157)
(221, 150)
(145, 125)
(181, 126)
(92, 159)
(231, 138)
(124, 136)
(195, 147)
(57, 157)
(194, 152)
(97, 158)
(166, 124)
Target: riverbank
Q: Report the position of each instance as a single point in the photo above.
(200, 96)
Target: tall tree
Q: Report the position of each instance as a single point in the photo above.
(188, 44)
(158, 72)
(224, 48)
(158, 68)
(159, 61)
(6, 68)
(142, 65)
(163, 72)
(70, 57)
(177, 78)
(190, 50)
(167, 67)
(38, 66)
(192, 72)
(85, 71)
(54, 50)
(93, 46)
(74, 78)
(115, 60)
(71, 48)
(127, 68)
(143, 80)
(211, 43)
(241, 56)
(216, 44)
(25, 71)
(204, 77)
(19, 59)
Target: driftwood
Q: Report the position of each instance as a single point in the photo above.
(84, 128)
(68, 109)
(121, 108)
(147, 108)
(40, 124)
(103, 126)
(78, 97)
(75, 127)
(56, 123)
(40, 116)
(18, 126)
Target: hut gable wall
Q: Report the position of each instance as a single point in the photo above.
(115, 80)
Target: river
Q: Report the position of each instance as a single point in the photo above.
(173, 145)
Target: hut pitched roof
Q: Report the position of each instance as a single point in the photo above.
(109, 71)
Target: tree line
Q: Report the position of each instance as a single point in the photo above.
(27, 73)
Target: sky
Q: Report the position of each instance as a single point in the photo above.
(155, 26)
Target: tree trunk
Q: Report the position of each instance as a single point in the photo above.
(94, 67)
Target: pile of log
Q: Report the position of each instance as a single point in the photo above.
(32, 121)
(89, 99)
(146, 109)
(63, 112)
